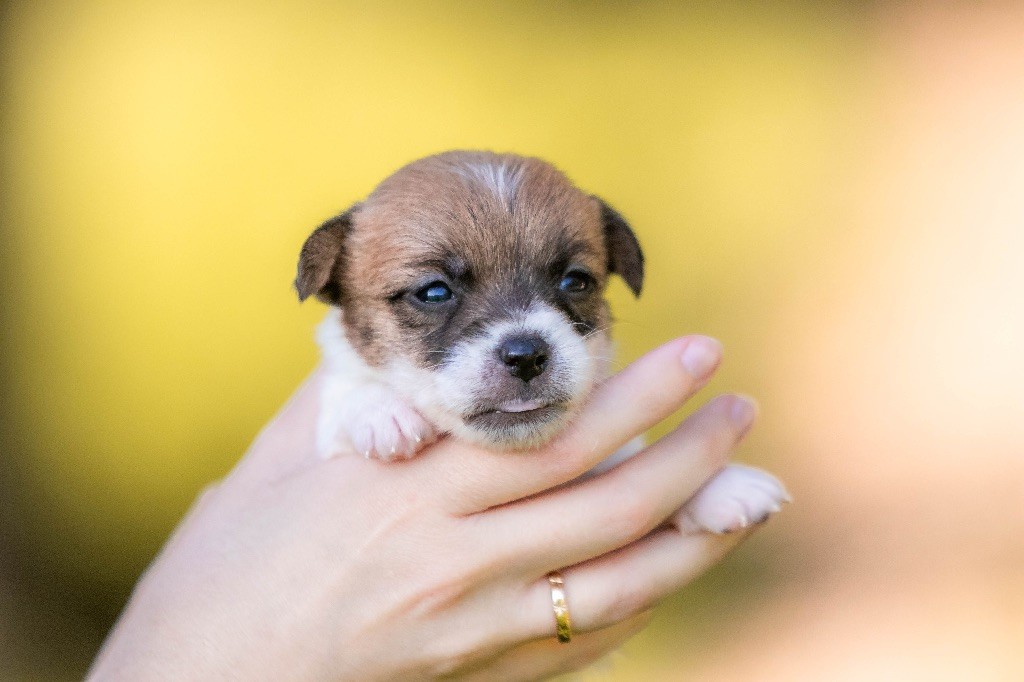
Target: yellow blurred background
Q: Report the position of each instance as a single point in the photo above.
(835, 190)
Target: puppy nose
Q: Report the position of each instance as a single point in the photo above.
(525, 356)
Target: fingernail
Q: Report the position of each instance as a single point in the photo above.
(701, 356)
(742, 413)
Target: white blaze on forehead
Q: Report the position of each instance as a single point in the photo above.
(497, 176)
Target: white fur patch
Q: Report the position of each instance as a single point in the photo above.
(390, 412)
(360, 411)
(499, 178)
(459, 380)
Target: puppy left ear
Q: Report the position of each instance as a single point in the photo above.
(321, 254)
(625, 258)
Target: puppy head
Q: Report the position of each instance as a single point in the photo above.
(475, 282)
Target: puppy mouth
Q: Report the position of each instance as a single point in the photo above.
(516, 406)
(517, 412)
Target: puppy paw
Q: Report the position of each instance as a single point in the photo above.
(372, 421)
(389, 431)
(735, 498)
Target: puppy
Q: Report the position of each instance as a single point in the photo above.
(467, 299)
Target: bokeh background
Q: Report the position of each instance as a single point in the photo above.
(835, 190)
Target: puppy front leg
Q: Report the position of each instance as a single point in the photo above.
(370, 419)
(735, 498)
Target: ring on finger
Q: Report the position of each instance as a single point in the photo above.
(563, 623)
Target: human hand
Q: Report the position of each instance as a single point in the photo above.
(298, 568)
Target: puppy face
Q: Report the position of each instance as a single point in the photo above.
(474, 282)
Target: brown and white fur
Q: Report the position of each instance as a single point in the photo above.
(467, 299)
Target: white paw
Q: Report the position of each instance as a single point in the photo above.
(371, 420)
(735, 498)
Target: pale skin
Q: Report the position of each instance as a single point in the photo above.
(299, 568)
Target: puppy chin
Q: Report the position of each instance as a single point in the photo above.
(520, 430)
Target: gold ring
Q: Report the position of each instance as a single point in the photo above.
(563, 623)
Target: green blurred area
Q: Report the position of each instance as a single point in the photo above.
(162, 164)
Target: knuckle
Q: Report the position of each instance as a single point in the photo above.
(437, 590)
(435, 597)
(442, 586)
(441, 589)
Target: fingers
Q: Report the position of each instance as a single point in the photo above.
(590, 518)
(544, 658)
(632, 580)
(629, 403)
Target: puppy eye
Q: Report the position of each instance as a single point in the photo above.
(575, 283)
(435, 292)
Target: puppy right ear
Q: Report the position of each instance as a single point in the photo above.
(320, 257)
(625, 258)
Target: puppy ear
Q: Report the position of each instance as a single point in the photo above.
(625, 258)
(319, 259)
